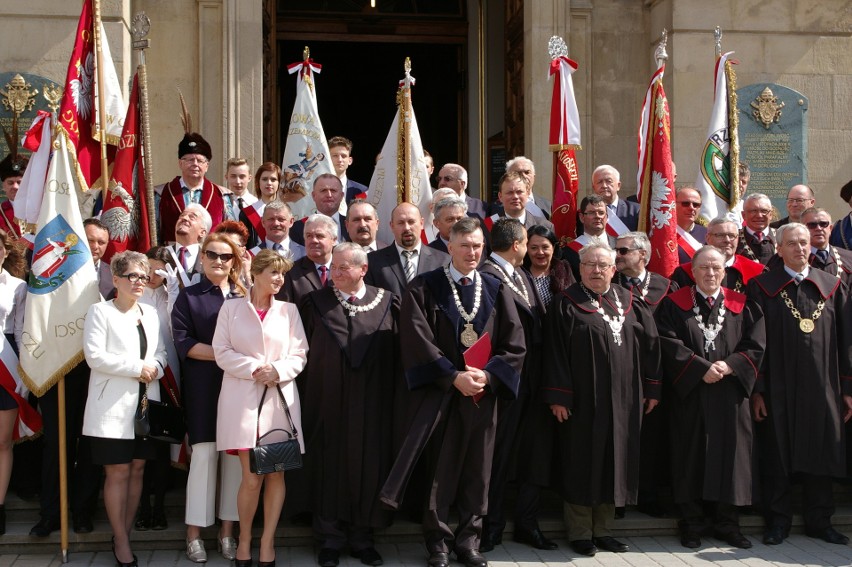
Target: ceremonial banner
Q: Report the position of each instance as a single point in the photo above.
(31, 193)
(400, 173)
(78, 111)
(718, 175)
(655, 180)
(564, 139)
(125, 210)
(62, 284)
(306, 153)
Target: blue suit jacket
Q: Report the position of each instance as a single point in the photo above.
(353, 188)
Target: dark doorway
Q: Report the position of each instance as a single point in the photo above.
(356, 95)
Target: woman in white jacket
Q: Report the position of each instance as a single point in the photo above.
(121, 341)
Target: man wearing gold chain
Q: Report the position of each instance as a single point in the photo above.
(448, 314)
(601, 367)
(803, 392)
(712, 340)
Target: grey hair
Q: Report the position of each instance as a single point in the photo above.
(356, 252)
(123, 260)
(602, 168)
(706, 249)
(206, 219)
(459, 171)
(784, 228)
(511, 163)
(725, 219)
(324, 221)
(596, 245)
(449, 202)
(755, 197)
(278, 206)
(641, 240)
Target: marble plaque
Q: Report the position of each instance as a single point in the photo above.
(773, 125)
(23, 94)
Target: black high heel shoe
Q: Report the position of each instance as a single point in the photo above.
(243, 562)
(118, 563)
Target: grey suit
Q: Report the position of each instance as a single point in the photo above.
(105, 279)
(385, 267)
(297, 251)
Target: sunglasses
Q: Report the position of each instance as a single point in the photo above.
(817, 224)
(624, 251)
(212, 256)
(692, 204)
(136, 278)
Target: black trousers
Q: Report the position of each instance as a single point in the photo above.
(84, 478)
(699, 517)
(817, 501)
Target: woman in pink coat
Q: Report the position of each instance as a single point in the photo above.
(260, 344)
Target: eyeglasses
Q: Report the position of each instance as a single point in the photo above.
(200, 160)
(692, 204)
(758, 211)
(136, 278)
(817, 224)
(624, 250)
(212, 256)
(596, 266)
(725, 235)
(798, 201)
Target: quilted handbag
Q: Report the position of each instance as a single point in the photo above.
(158, 420)
(280, 456)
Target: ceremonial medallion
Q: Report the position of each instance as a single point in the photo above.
(806, 325)
(468, 336)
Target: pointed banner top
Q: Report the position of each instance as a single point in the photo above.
(408, 81)
(660, 55)
(557, 47)
(407, 65)
(306, 53)
(717, 34)
(305, 67)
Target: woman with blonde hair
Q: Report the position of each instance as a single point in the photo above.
(193, 324)
(260, 344)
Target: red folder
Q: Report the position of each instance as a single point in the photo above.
(477, 355)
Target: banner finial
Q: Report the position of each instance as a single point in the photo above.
(718, 36)
(306, 53)
(660, 55)
(556, 47)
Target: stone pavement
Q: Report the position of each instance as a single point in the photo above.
(664, 551)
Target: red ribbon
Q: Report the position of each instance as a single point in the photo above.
(32, 139)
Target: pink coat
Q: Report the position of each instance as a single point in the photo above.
(241, 344)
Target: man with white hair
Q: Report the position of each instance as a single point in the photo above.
(757, 238)
(448, 211)
(623, 215)
(454, 176)
(193, 225)
(312, 272)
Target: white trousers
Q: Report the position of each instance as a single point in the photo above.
(201, 485)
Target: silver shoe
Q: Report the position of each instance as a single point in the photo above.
(227, 546)
(195, 551)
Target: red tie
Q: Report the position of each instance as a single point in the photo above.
(323, 275)
(182, 257)
(758, 236)
(710, 301)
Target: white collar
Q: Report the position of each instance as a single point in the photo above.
(362, 291)
(457, 275)
(400, 249)
(715, 296)
(503, 263)
(614, 202)
(522, 219)
(793, 272)
(814, 250)
(185, 185)
(285, 244)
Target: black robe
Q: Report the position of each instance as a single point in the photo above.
(347, 404)
(658, 288)
(603, 385)
(432, 355)
(711, 423)
(830, 266)
(804, 375)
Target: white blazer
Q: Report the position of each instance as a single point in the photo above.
(111, 346)
(242, 343)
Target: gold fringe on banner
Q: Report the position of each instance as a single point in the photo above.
(733, 135)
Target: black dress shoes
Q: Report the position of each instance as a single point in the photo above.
(83, 525)
(471, 558)
(584, 547)
(368, 556)
(44, 528)
(774, 535)
(829, 535)
(609, 543)
(490, 540)
(534, 538)
(690, 539)
(328, 557)
(735, 539)
(439, 559)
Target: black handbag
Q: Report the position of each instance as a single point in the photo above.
(276, 457)
(158, 420)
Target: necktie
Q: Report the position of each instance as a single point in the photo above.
(182, 258)
(323, 275)
(799, 278)
(758, 236)
(240, 203)
(464, 281)
(352, 299)
(196, 195)
(408, 265)
(822, 255)
(710, 301)
(635, 282)
(278, 248)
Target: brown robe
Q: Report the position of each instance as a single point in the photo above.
(804, 375)
(603, 385)
(347, 404)
(710, 423)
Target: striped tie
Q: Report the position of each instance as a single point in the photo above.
(408, 265)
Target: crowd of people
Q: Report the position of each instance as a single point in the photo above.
(426, 375)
